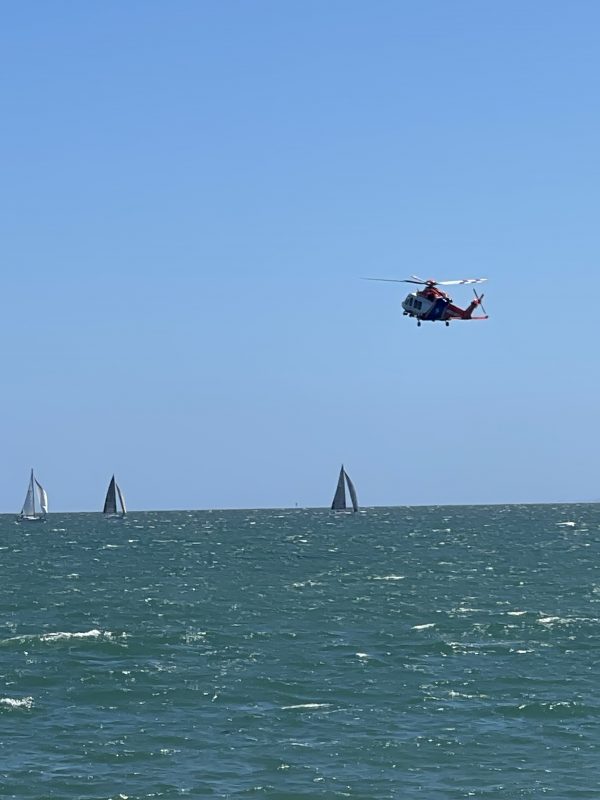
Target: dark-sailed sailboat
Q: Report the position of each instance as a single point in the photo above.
(113, 494)
(339, 498)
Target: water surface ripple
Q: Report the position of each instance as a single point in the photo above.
(442, 652)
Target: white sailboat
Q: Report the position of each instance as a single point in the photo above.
(113, 495)
(35, 506)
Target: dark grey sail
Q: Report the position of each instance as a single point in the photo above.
(352, 491)
(110, 504)
(339, 498)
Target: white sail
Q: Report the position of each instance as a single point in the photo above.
(35, 506)
(28, 507)
(121, 499)
(43, 497)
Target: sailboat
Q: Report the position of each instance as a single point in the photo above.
(113, 494)
(35, 506)
(339, 498)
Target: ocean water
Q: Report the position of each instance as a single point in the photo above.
(442, 652)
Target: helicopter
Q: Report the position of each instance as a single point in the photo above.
(432, 304)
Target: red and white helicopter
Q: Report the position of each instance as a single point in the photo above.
(432, 304)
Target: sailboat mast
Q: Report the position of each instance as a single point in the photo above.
(32, 492)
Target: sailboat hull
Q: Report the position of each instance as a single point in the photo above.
(25, 518)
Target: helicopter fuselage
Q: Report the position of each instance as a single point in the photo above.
(432, 305)
(416, 304)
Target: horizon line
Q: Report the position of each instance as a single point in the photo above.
(326, 508)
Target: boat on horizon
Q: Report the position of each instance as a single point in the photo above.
(339, 498)
(114, 498)
(35, 492)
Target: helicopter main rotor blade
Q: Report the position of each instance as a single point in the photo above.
(463, 280)
(392, 280)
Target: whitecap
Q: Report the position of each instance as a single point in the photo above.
(388, 577)
(463, 696)
(194, 636)
(11, 702)
(423, 627)
(62, 635)
(302, 584)
(306, 705)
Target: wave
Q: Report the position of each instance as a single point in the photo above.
(62, 636)
(11, 702)
(566, 620)
(545, 709)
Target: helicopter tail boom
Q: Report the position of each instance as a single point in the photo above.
(468, 312)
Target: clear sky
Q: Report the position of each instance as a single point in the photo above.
(190, 193)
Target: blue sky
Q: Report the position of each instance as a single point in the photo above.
(190, 194)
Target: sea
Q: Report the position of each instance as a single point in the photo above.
(421, 652)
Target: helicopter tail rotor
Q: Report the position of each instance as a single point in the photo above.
(479, 298)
